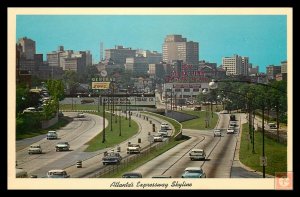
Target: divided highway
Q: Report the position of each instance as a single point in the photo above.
(219, 152)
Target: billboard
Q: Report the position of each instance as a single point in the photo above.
(100, 85)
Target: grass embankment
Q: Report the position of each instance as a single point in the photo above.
(112, 137)
(176, 125)
(28, 134)
(141, 160)
(199, 123)
(275, 152)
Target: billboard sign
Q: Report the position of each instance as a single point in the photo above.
(100, 85)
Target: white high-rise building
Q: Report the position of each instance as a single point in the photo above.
(236, 65)
(176, 48)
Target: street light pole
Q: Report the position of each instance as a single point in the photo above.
(129, 113)
(120, 128)
(263, 132)
(126, 105)
(103, 132)
(99, 104)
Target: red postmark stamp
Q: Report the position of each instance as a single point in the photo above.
(284, 180)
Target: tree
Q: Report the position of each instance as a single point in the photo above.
(71, 81)
(56, 90)
(21, 98)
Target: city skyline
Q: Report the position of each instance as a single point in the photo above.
(261, 38)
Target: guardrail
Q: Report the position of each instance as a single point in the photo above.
(129, 160)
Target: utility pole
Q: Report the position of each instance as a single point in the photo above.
(103, 138)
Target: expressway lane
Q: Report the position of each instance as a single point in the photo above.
(219, 151)
(77, 133)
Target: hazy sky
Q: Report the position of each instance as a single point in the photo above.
(262, 38)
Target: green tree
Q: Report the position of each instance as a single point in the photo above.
(21, 98)
(71, 81)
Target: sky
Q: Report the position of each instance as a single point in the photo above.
(262, 38)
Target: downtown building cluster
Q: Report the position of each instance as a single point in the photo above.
(177, 65)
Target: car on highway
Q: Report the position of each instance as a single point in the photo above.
(197, 154)
(80, 115)
(132, 175)
(164, 126)
(217, 133)
(133, 148)
(35, 149)
(193, 172)
(230, 131)
(51, 135)
(57, 173)
(272, 126)
(233, 123)
(111, 158)
(163, 133)
(29, 109)
(157, 138)
(62, 146)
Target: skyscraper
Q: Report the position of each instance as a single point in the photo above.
(176, 47)
(28, 48)
(236, 65)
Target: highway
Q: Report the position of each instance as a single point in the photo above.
(219, 151)
(77, 133)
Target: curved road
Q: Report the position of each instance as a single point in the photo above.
(77, 133)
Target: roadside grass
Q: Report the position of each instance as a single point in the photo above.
(275, 152)
(143, 159)
(112, 138)
(61, 123)
(171, 121)
(199, 123)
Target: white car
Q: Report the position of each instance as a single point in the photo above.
(157, 138)
(133, 148)
(61, 146)
(51, 135)
(163, 133)
(164, 126)
(197, 154)
(35, 149)
(29, 109)
(230, 131)
(217, 132)
(80, 115)
(272, 126)
(57, 173)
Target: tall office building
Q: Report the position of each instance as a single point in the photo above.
(283, 67)
(119, 54)
(236, 65)
(245, 66)
(27, 48)
(272, 71)
(176, 47)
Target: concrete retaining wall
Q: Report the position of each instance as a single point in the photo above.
(48, 123)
